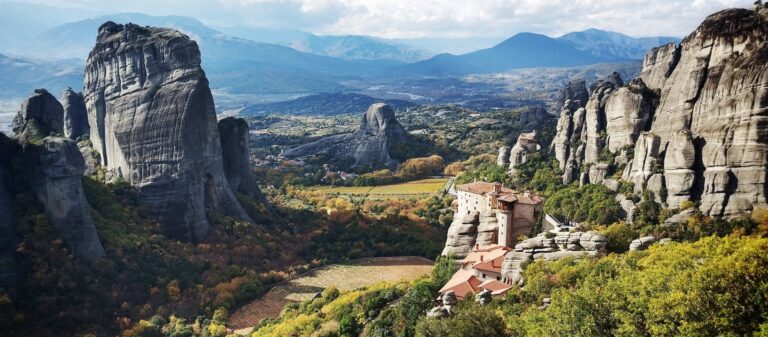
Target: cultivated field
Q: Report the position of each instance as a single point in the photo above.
(411, 188)
(348, 276)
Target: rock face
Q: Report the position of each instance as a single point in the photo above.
(56, 167)
(658, 64)
(370, 145)
(642, 243)
(153, 123)
(58, 185)
(234, 145)
(75, 115)
(525, 146)
(462, 235)
(561, 245)
(711, 126)
(40, 115)
(574, 91)
(6, 207)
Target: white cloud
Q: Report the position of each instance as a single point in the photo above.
(435, 18)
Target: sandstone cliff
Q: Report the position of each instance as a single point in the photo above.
(75, 115)
(711, 127)
(234, 144)
(153, 123)
(369, 145)
(54, 167)
(695, 122)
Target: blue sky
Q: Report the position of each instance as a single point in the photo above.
(429, 18)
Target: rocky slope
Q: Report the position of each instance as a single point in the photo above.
(696, 121)
(54, 167)
(234, 144)
(153, 123)
(75, 115)
(369, 145)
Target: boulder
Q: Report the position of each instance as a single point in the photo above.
(681, 217)
(153, 123)
(597, 173)
(484, 297)
(642, 243)
(75, 114)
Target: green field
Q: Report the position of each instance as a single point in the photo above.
(417, 187)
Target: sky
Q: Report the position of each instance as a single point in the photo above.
(430, 18)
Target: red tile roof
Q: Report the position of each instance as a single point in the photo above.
(496, 287)
(462, 283)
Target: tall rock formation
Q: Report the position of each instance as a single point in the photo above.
(574, 91)
(153, 123)
(55, 168)
(370, 145)
(41, 115)
(75, 115)
(6, 207)
(234, 144)
(712, 121)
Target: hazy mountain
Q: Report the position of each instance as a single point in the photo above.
(21, 76)
(20, 22)
(325, 104)
(610, 44)
(233, 64)
(348, 47)
(523, 50)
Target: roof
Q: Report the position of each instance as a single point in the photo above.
(506, 195)
(496, 287)
(462, 283)
(486, 253)
(492, 265)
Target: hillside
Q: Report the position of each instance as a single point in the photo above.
(524, 50)
(324, 104)
(611, 44)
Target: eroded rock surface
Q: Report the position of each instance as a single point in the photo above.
(75, 115)
(234, 144)
(462, 235)
(370, 145)
(153, 123)
(40, 115)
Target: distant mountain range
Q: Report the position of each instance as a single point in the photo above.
(610, 44)
(325, 104)
(315, 64)
(524, 50)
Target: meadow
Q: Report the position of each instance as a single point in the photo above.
(412, 188)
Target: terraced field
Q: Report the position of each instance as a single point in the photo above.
(411, 188)
(347, 276)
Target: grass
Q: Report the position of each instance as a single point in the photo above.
(417, 187)
(347, 276)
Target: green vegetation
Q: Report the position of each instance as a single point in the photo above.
(712, 287)
(591, 203)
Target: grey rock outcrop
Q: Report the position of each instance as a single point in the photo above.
(369, 145)
(658, 64)
(75, 114)
(40, 115)
(574, 91)
(7, 231)
(58, 185)
(484, 297)
(462, 235)
(55, 167)
(503, 158)
(487, 229)
(562, 245)
(153, 123)
(234, 145)
(642, 243)
(710, 123)
(525, 146)
(628, 113)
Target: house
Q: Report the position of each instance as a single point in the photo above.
(516, 213)
(481, 269)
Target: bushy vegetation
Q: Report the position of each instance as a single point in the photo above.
(591, 203)
(712, 287)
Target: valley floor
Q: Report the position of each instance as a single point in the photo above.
(347, 276)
